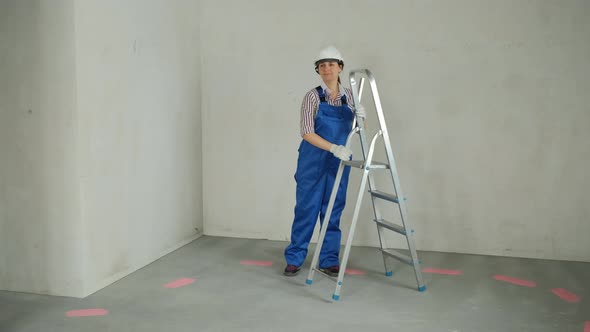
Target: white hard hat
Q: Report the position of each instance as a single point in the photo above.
(329, 53)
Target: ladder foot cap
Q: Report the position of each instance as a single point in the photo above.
(335, 297)
(421, 288)
(309, 281)
(389, 273)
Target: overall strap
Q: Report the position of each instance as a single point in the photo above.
(321, 94)
(343, 99)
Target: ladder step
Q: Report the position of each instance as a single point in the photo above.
(399, 256)
(390, 225)
(361, 164)
(383, 195)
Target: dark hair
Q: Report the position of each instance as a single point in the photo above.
(317, 64)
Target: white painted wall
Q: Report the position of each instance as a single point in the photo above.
(103, 175)
(140, 130)
(486, 103)
(100, 129)
(41, 247)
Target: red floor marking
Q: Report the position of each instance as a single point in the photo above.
(516, 281)
(179, 283)
(587, 326)
(442, 271)
(354, 272)
(86, 312)
(256, 263)
(566, 295)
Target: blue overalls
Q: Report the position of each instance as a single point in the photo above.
(315, 176)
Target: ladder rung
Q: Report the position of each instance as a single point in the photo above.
(361, 164)
(399, 256)
(354, 163)
(385, 196)
(390, 225)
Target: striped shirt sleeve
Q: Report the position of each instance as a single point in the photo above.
(310, 105)
(349, 99)
(309, 109)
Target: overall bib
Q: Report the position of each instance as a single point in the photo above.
(315, 176)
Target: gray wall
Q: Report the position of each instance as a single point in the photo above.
(486, 103)
(41, 241)
(103, 167)
(138, 86)
(100, 140)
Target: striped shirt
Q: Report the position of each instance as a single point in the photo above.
(311, 102)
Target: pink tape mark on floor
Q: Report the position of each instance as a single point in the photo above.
(87, 312)
(256, 263)
(516, 281)
(179, 283)
(442, 271)
(566, 295)
(354, 272)
(587, 326)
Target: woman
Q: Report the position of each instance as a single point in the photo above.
(326, 121)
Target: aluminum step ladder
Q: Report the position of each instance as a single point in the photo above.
(368, 165)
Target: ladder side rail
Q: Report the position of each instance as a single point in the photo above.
(360, 124)
(324, 227)
(395, 179)
(357, 94)
(355, 216)
(361, 86)
(388, 149)
(381, 118)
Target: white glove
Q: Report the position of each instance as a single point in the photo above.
(360, 111)
(341, 152)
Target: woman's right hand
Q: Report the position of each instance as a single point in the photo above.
(341, 152)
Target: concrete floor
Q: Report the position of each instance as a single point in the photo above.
(229, 296)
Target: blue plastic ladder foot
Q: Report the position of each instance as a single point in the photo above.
(335, 297)
(421, 289)
(388, 273)
(309, 281)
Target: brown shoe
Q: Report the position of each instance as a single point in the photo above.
(332, 271)
(291, 270)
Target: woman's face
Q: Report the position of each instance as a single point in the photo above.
(329, 70)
